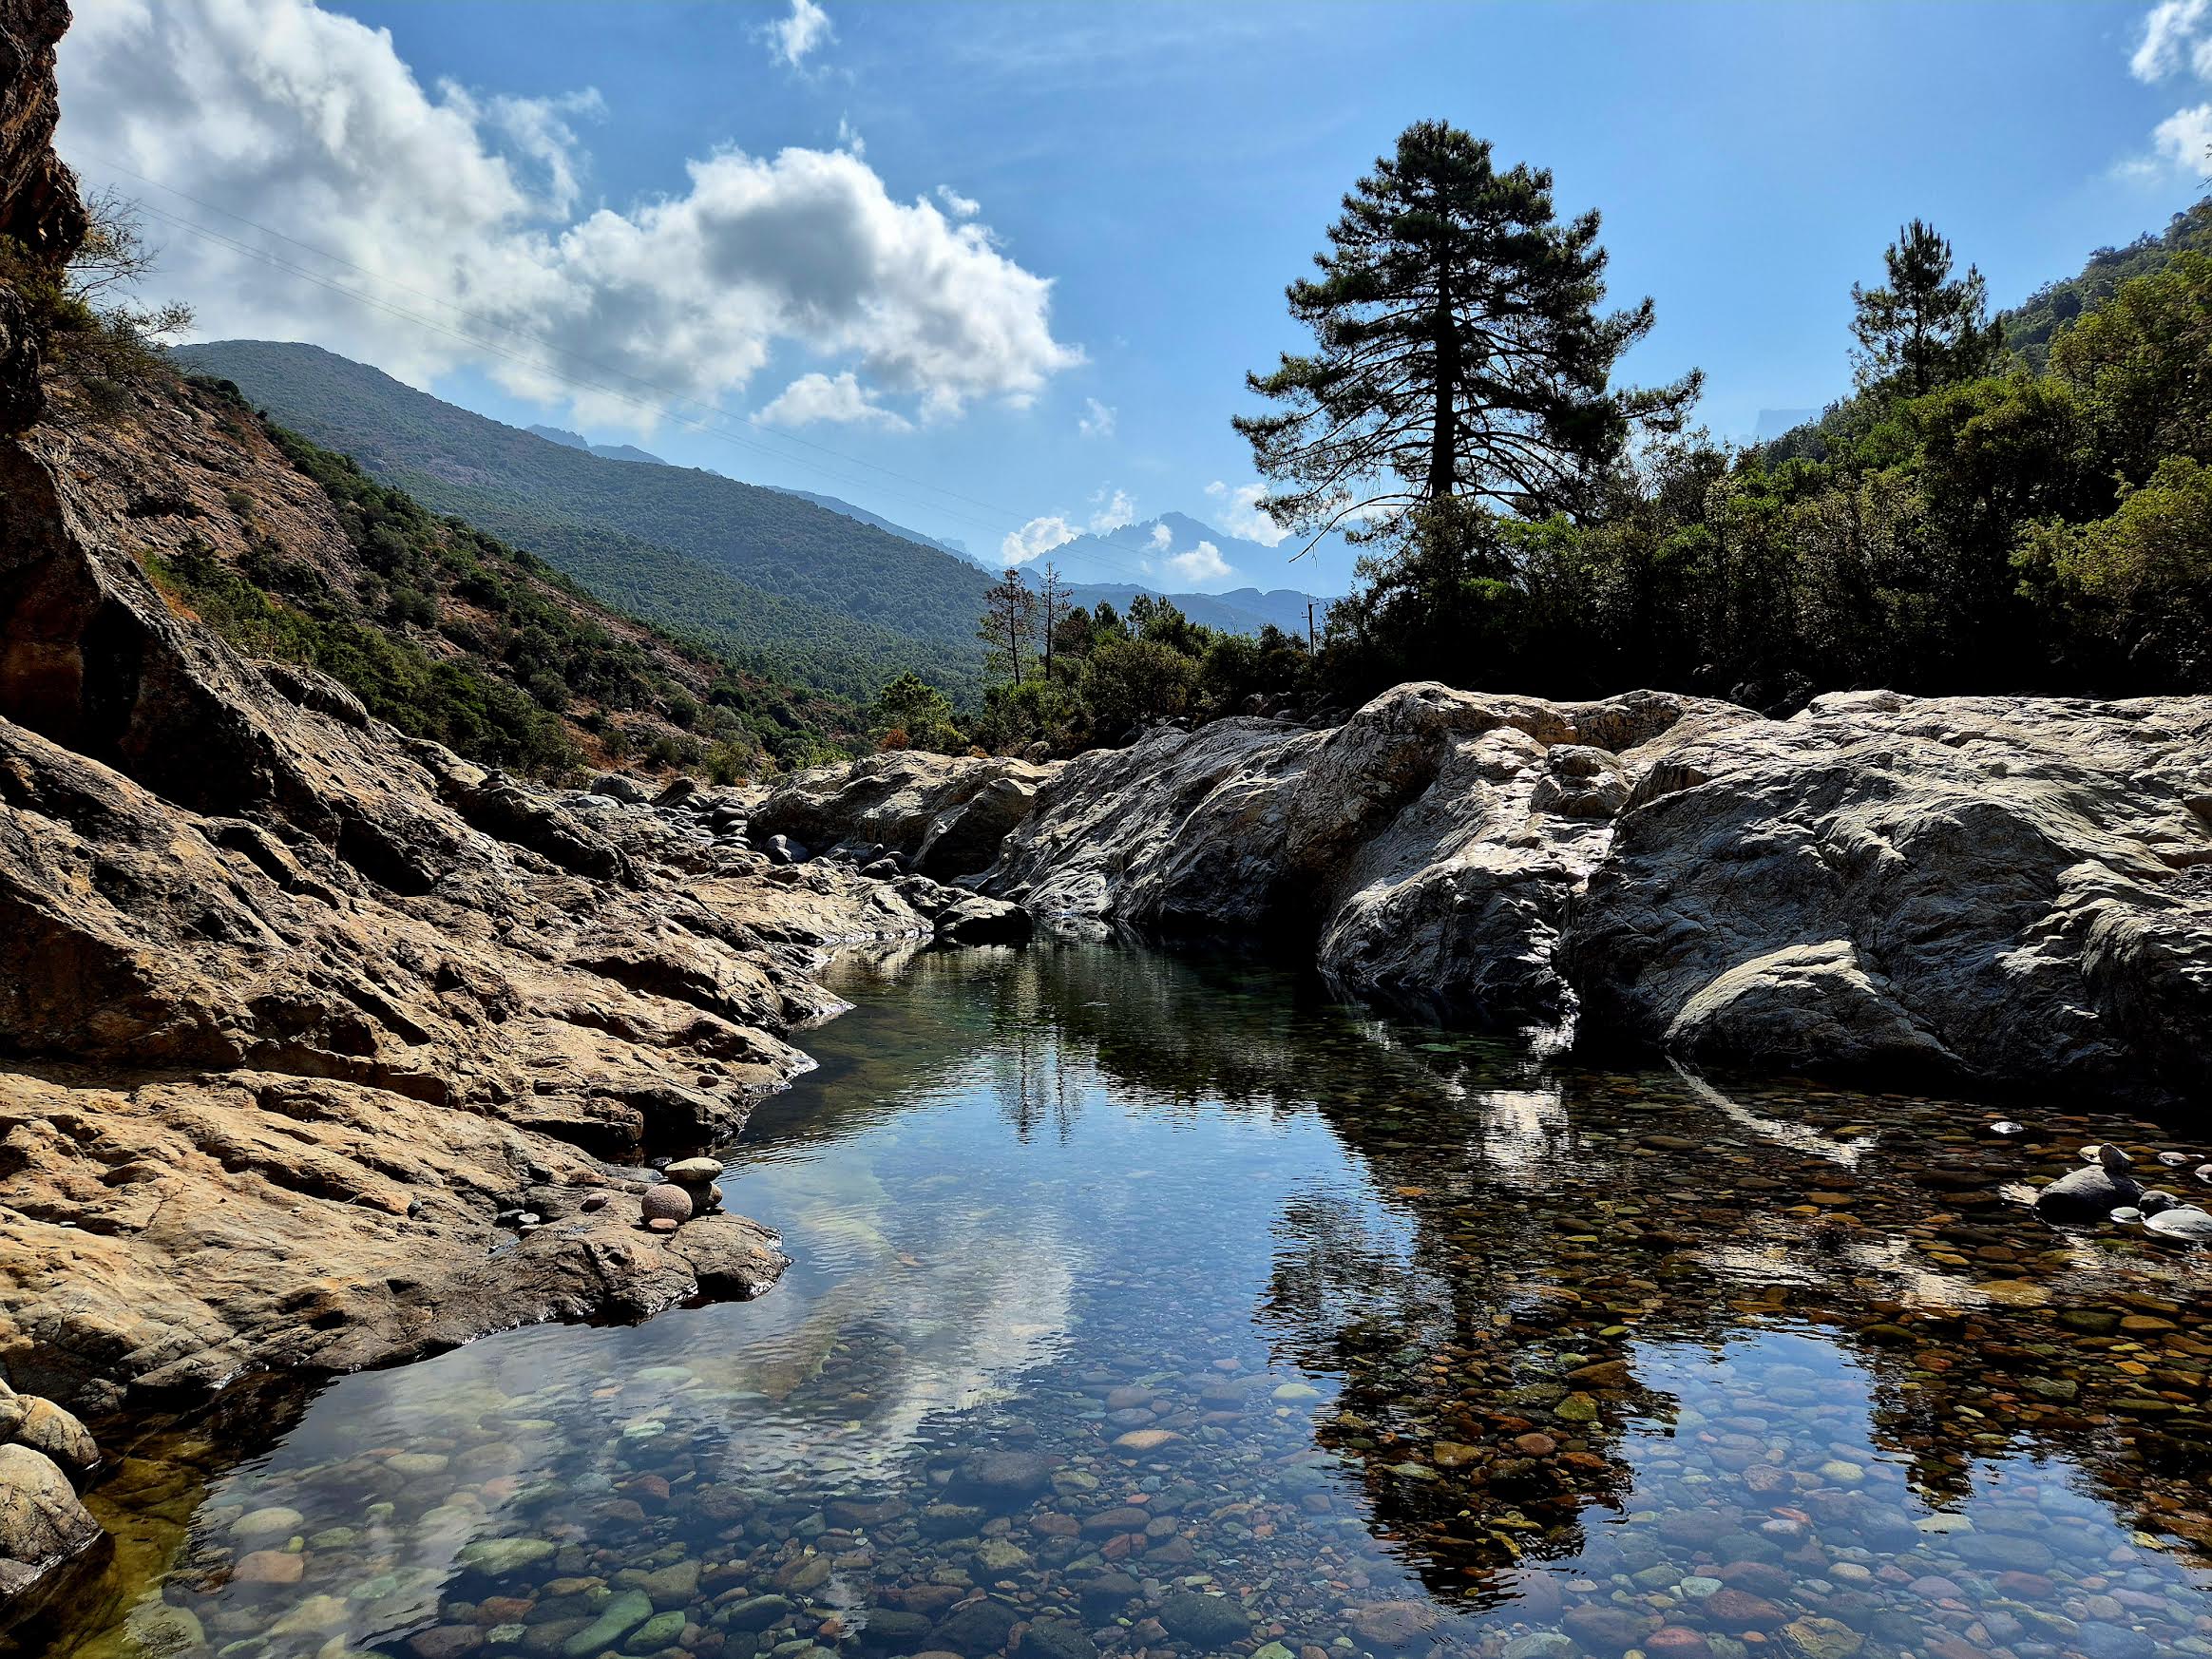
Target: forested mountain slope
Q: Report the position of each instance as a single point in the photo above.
(2029, 325)
(822, 596)
(296, 554)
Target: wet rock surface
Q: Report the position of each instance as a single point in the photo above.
(1999, 890)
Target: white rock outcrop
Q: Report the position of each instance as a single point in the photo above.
(2004, 889)
(1992, 889)
(946, 813)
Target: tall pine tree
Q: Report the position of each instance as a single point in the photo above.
(1459, 349)
(1008, 625)
(1926, 328)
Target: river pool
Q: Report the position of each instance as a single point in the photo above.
(1161, 1306)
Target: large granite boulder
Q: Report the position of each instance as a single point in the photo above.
(947, 813)
(43, 1526)
(2001, 889)
(1990, 889)
(1428, 847)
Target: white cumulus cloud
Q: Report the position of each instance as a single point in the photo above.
(1035, 539)
(2184, 140)
(805, 28)
(958, 205)
(1162, 538)
(2176, 38)
(467, 211)
(1096, 421)
(1204, 563)
(1115, 509)
(2172, 35)
(1241, 515)
(840, 399)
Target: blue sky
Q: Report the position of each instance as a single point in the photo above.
(1165, 169)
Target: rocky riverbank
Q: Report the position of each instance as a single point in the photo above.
(321, 1047)
(1988, 890)
(327, 1047)
(1981, 891)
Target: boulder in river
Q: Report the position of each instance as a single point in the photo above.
(42, 1523)
(946, 815)
(1987, 890)
(2087, 1194)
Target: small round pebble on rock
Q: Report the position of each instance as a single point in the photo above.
(666, 1202)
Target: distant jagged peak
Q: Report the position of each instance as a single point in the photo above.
(569, 440)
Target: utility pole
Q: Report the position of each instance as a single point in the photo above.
(1310, 627)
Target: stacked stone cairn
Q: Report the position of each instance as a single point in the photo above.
(687, 1188)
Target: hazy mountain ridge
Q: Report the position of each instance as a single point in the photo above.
(860, 514)
(1143, 558)
(811, 586)
(1241, 610)
(604, 451)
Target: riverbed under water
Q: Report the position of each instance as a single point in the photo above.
(1161, 1306)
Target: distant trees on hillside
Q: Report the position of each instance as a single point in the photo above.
(1091, 675)
(2016, 505)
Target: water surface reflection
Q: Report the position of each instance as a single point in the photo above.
(1164, 1307)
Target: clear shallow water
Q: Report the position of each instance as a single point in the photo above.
(1121, 1281)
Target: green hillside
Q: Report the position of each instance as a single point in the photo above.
(448, 633)
(802, 591)
(2029, 325)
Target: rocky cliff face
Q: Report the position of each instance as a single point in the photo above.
(40, 213)
(1995, 890)
(299, 1010)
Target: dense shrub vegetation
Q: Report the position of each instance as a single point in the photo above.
(448, 633)
(2016, 505)
(789, 588)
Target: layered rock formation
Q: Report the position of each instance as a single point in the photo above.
(1996, 890)
(40, 215)
(945, 814)
(299, 1007)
